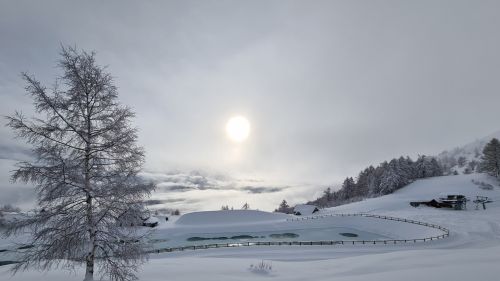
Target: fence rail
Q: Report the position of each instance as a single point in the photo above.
(446, 233)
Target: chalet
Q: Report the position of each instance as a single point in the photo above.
(305, 210)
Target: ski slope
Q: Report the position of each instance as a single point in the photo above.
(472, 252)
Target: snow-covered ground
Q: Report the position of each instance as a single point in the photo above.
(472, 252)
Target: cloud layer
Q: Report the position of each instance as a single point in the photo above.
(201, 191)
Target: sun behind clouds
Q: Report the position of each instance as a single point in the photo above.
(238, 128)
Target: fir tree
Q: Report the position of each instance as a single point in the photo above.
(349, 188)
(284, 208)
(393, 178)
(490, 160)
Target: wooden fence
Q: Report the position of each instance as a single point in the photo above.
(445, 234)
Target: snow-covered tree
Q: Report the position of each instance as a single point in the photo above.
(371, 180)
(394, 178)
(382, 179)
(427, 167)
(490, 160)
(437, 171)
(349, 188)
(85, 172)
(407, 167)
(472, 165)
(447, 162)
(461, 161)
(362, 181)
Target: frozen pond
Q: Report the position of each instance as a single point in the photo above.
(233, 227)
(288, 235)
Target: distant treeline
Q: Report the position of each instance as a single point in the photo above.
(397, 173)
(381, 180)
(376, 181)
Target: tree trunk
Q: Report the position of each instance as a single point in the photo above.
(89, 272)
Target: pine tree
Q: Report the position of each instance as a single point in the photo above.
(363, 182)
(327, 194)
(379, 172)
(284, 208)
(372, 181)
(436, 169)
(490, 160)
(284, 205)
(349, 188)
(404, 168)
(421, 170)
(85, 172)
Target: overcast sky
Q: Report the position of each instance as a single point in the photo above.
(328, 86)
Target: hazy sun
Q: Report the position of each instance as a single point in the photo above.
(238, 128)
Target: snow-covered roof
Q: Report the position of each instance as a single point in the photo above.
(151, 220)
(305, 209)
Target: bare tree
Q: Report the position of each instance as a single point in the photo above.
(85, 172)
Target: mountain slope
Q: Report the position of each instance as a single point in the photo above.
(470, 154)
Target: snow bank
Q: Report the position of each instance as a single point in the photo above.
(229, 217)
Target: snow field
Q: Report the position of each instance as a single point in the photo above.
(472, 252)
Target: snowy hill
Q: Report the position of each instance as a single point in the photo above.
(425, 189)
(229, 217)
